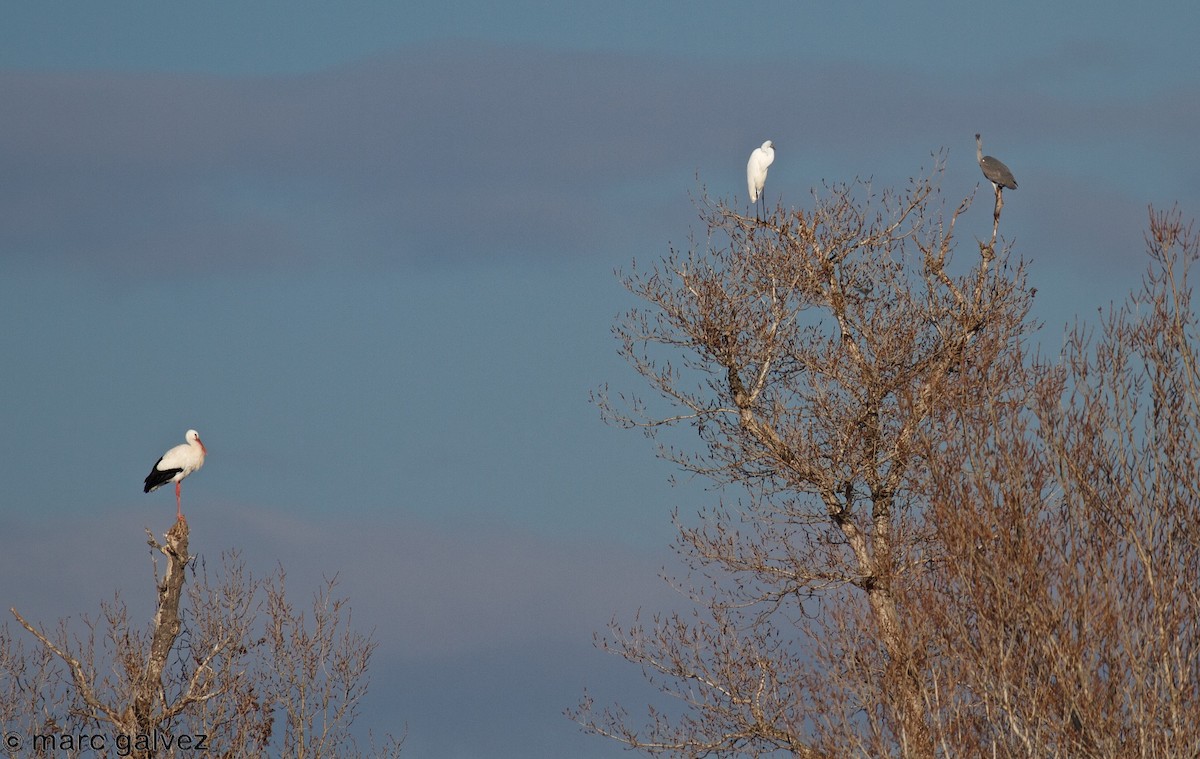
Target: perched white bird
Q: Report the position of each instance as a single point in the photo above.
(176, 464)
(756, 170)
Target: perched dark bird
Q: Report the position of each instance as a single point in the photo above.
(995, 171)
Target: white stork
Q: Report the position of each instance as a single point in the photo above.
(176, 464)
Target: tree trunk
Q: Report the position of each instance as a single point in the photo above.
(149, 707)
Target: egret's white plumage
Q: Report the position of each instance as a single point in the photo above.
(175, 465)
(756, 169)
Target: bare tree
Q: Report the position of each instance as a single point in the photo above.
(319, 668)
(210, 674)
(876, 405)
(32, 691)
(1072, 543)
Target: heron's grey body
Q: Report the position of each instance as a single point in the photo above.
(995, 171)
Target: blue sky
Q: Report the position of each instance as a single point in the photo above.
(367, 249)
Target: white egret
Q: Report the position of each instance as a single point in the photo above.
(756, 172)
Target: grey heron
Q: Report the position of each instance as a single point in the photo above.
(996, 172)
(1000, 177)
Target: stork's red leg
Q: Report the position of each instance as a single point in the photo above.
(178, 503)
